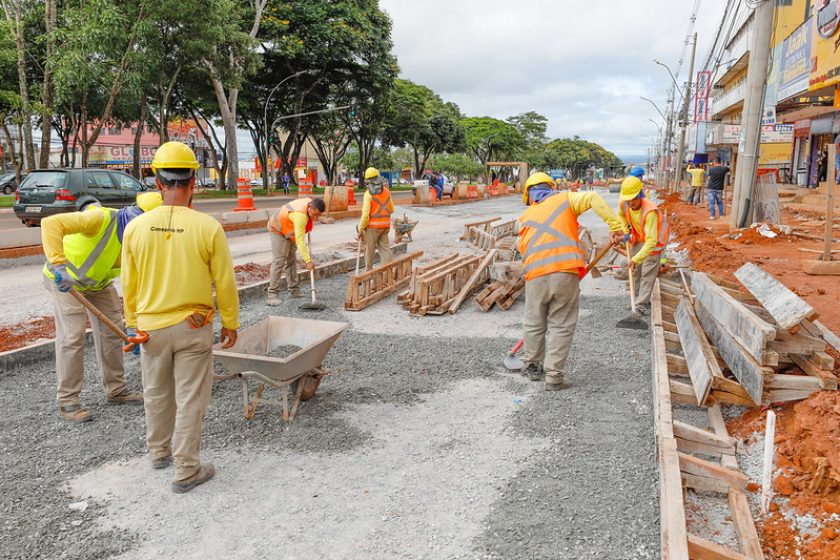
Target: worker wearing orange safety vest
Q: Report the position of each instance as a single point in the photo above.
(375, 223)
(554, 264)
(648, 229)
(287, 230)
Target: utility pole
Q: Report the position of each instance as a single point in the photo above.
(684, 118)
(742, 196)
(666, 146)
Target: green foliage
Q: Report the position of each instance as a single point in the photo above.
(577, 155)
(532, 127)
(490, 139)
(457, 166)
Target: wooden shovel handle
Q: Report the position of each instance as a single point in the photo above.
(632, 283)
(99, 315)
(598, 256)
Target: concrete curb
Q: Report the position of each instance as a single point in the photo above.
(13, 360)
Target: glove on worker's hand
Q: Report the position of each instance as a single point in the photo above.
(63, 281)
(132, 332)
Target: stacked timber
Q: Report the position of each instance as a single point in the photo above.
(374, 285)
(443, 285)
(748, 347)
(503, 294)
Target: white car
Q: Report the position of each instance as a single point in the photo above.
(448, 187)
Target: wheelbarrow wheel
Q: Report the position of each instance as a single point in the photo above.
(310, 386)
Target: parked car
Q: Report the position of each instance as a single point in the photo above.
(45, 192)
(448, 187)
(8, 183)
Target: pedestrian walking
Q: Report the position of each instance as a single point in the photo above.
(83, 254)
(173, 258)
(286, 180)
(554, 264)
(714, 193)
(287, 231)
(375, 223)
(647, 227)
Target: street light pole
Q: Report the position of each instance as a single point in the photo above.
(266, 176)
(684, 119)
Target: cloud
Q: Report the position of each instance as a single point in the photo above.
(582, 64)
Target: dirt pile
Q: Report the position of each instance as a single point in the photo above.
(17, 336)
(805, 516)
(250, 273)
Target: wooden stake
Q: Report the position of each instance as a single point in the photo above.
(829, 210)
(769, 456)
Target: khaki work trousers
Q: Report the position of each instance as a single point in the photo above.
(283, 258)
(177, 366)
(551, 314)
(644, 276)
(377, 239)
(70, 325)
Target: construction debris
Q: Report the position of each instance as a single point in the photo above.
(374, 285)
(434, 288)
(403, 228)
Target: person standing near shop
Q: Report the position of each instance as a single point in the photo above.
(697, 177)
(717, 182)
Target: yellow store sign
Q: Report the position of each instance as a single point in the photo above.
(825, 59)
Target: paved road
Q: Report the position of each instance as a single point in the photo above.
(8, 220)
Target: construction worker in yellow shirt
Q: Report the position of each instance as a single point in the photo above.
(287, 230)
(375, 223)
(83, 253)
(173, 257)
(554, 265)
(648, 231)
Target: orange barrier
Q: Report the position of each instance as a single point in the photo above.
(472, 191)
(491, 189)
(351, 199)
(304, 187)
(432, 194)
(244, 196)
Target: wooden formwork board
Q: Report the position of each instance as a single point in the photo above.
(481, 239)
(483, 224)
(433, 290)
(375, 285)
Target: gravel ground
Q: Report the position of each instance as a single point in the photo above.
(420, 445)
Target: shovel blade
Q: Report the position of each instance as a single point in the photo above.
(634, 321)
(513, 363)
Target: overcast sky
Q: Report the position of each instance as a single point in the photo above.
(582, 64)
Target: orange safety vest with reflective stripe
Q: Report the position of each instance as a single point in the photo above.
(380, 216)
(549, 238)
(281, 224)
(663, 230)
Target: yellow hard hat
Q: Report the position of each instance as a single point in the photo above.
(149, 200)
(537, 178)
(630, 188)
(174, 155)
(371, 172)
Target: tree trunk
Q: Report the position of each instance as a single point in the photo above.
(11, 143)
(47, 93)
(83, 130)
(138, 134)
(13, 16)
(227, 109)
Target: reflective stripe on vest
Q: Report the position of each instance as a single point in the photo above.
(91, 260)
(553, 246)
(380, 216)
(662, 229)
(281, 224)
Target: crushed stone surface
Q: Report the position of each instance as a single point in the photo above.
(418, 445)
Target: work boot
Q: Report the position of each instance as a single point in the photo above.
(161, 462)
(273, 301)
(202, 475)
(126, 397)
(75, 413)
(295, 293)
(557, 386)
(533, 372)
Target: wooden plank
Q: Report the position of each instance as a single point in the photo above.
(678, 388)
(787, 308)
(832, 339)
(702, 549)
(787, 395)
(695, 447)
(704, 484)
(799, 343)
(827, 379)
(378, 296)
(745, 525)
(470, 284)
(823, 361)
(702, 365)
(751, 332)
(373, 272)
(677, 366)
(796, 382)
(730, 398)
(725, 444)
(668, 326)
(700, 467)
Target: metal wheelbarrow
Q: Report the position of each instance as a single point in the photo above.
(250, 359)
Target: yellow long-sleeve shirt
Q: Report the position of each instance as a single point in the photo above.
(55, 228)
(651, 230)
(363, 223)
(580, 202)
(300, 219)
(172, 257)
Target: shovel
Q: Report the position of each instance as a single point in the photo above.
(314, 305)
(132, 341)
(514, 362)
(634, 320)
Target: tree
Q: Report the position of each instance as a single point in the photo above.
(14, 12)
(489, 138)
(532, 127)
(577, 155)
(459, 166)
(419, 119)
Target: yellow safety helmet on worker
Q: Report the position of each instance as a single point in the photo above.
(541, 182)
(371, 173)
(174, 161)
(630, 188)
